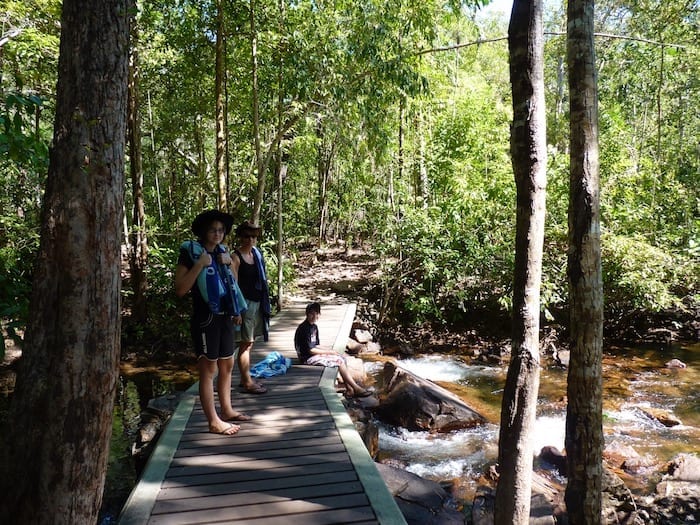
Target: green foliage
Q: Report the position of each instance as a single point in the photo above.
(639, 275)
(20, 240)
(20, 146)
(23, 164)
(412, 124)
(167, 328)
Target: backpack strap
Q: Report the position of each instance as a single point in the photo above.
(234, 294)
(209, 282)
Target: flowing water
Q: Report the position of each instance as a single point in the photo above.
(634, 380)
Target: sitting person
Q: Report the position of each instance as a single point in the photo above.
(310, 351)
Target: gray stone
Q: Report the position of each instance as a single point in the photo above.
(422, 502)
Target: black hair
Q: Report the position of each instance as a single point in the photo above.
(313, 307)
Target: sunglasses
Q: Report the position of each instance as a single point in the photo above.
(249, 236)
(217, 230)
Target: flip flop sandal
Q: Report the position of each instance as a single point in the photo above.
(255, 389)
(254, 382)
(240, 417)
(227, 430)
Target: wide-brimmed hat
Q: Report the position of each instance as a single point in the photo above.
(201, 222)
(248, 226)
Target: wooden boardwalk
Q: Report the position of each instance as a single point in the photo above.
(299, 461)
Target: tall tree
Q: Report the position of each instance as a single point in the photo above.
(529, 153)
(584, 415)
(61, 413)
(138, 244)
(220, 92)
(260, 172)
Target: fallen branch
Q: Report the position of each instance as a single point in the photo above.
(10, 35)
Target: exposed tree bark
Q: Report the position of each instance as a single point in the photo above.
(61, 413)
(529, 154)
(221, 164)
(138, 244)
(584, 425)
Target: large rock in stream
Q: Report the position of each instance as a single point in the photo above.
(415, 403)
(422, 502)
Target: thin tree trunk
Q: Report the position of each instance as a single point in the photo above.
(259, 164)
(584, 425)
(281, 175)
(153, 154)
(138, 244)
(281, 162)
(323, 168)
(201, 166)
(423, 182)
(221, 167)
(401, 154)
(61, 414)
(529, 154)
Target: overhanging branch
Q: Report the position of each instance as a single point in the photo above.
(549, 33)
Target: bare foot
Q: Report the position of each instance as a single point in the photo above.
(226, 429)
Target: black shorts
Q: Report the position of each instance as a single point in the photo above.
(212, 336)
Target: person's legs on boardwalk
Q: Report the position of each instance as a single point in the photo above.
(250, 329)
(207, 371)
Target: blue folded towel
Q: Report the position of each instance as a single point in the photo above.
(274, 364)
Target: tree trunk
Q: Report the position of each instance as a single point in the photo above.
(400, 161)
(61, 413)
(584, 425)
(281, 175)
(221, 165)
(281, 169)
(203, 187)
(260, 167)
(529, 154)
(423, 183)
(325, 155)
(138, 244)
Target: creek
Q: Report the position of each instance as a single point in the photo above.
(634, 379)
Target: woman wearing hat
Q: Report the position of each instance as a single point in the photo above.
(202, 270)
(248, 266)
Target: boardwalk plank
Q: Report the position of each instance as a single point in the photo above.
(191, 461)
(246, 464)
(229, 514)
(254, 486)
(356, 516)
(257, 497)
(291, 470)
(232, 446)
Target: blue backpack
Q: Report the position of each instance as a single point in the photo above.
(216, 284)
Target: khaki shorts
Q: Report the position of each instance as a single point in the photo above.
(252, 326)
